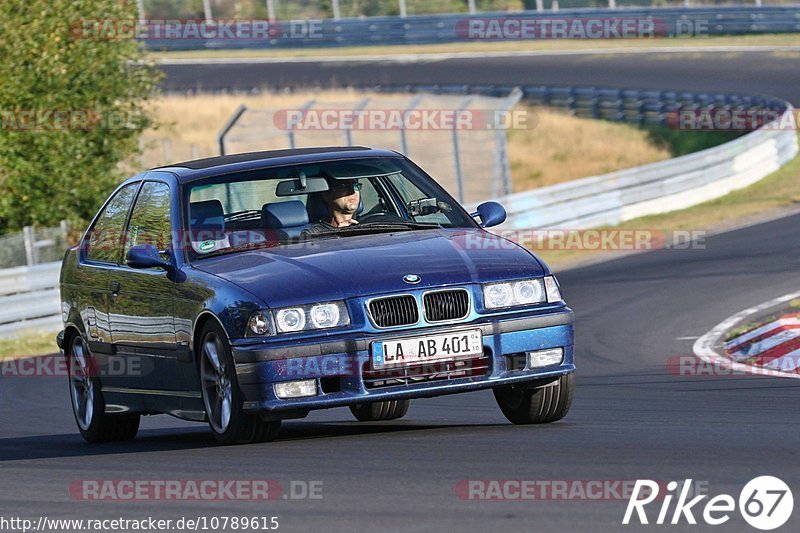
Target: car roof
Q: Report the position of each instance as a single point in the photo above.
(188, 171)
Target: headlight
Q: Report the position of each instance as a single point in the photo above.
(325, 315)
(314, 316)
(259, 323)
(553, 292)
(291, 319)
(515, 293)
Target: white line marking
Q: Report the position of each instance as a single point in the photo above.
(704, 346)
(689, 338)
(443, 56)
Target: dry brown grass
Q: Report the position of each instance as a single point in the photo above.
(553, 148)
(196, 120)
(561, 147)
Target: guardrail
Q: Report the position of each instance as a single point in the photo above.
(432, 29)
(29, 298)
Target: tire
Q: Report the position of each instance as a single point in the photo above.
(88, 404)
(222, 398)
(537, 406)
(377, 411)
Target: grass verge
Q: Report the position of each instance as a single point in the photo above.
(27, 344)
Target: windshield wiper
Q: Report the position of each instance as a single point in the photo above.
(243, 215)
(241, 248)
(375, 228)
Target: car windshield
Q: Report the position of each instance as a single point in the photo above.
(328, 200)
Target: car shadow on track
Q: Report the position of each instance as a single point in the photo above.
(71, 444)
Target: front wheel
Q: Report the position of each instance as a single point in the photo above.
(222, 398)
(536, 406)
(377, 411)
(88, 405)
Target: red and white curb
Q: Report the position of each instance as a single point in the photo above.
(772, 347)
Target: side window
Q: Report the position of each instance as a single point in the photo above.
(410, 193)
(150, 219)
(105, 237)
(369, 196)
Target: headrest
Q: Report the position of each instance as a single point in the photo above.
(287, 214)
(207, 214)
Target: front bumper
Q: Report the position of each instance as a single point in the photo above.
(342, 367)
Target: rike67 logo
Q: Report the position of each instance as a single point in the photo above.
(765, 503)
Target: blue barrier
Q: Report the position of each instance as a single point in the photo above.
(433, 29)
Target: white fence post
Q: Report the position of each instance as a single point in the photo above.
(403, 8)
(140, 9)
(207, 11)
(29, 238)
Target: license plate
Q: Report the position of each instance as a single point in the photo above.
(454, 345)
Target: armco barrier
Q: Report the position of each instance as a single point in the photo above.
(29, 298)
(432, 29)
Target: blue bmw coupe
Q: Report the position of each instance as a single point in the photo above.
(247, 289)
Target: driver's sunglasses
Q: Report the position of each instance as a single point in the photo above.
(355, 187)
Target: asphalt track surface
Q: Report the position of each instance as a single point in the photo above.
(762, 72)
(632, 418)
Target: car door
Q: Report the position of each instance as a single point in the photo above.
(100, 248)
(141, 308)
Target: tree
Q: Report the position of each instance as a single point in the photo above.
(71, 106)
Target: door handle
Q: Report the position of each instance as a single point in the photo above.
(115, 288)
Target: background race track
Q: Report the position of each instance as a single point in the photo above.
(760, 72)
(631, 418)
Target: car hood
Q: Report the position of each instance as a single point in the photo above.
(363, 265)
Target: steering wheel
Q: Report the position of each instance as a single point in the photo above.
(380, 218)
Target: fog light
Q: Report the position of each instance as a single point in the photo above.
(549, 357)
(296, 389)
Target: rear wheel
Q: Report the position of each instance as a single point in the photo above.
(376, 411)
(88, 405)
(537, 406)
(222, 398)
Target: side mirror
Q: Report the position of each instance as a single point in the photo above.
(491, 214)
(146, 256)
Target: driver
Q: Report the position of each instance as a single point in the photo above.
(342, 199)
